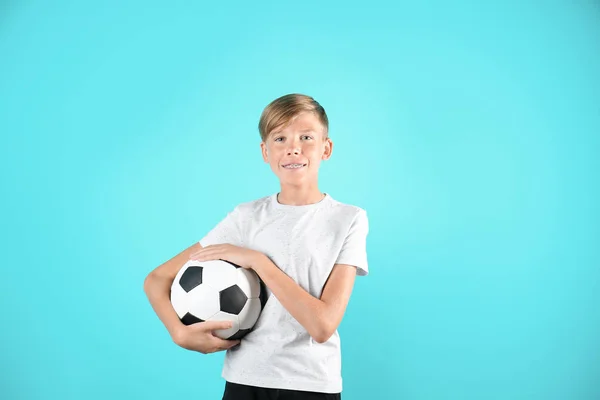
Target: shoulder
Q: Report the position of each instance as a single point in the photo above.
(251, 207)
(347, 210)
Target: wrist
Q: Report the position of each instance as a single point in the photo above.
(176, 332)
(258, 261)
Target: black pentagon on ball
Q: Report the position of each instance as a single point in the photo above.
(191, 278)
(234, 264)
(263, 294)
(232, 299)
(189, 319)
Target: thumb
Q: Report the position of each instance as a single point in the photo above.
(233, 343)
(215, 325)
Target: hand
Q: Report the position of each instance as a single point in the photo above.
(241, 256)
(199, 337)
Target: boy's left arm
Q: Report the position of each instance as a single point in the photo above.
(320, 317)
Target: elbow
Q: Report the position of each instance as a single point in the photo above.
(321, 338)
(148, 282)
(324, 333)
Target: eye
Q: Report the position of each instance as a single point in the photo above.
(306, 136)
(277, 139)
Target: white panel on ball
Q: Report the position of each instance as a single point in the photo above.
(178, 299)
(249, 282)
(203, 301)
(178, 295)
(249, 313)
(223, 316)
(218, 274)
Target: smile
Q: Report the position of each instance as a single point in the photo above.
(293, 166)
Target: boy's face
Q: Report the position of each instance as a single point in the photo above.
(295, 151)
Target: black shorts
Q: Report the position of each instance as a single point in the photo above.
(235, 391)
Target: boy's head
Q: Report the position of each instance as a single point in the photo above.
(295, 138)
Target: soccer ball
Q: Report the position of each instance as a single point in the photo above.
(218, 290)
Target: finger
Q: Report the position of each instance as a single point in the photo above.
(205, 249)
(226, 344)
(203, 255)
(216, 325)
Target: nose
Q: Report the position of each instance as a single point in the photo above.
(294, 148)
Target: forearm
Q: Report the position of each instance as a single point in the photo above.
(158, 290)
(309, 311)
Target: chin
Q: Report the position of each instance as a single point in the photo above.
(292, 179)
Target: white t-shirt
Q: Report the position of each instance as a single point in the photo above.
(305, 242)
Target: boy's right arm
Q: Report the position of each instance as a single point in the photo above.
(198, 337)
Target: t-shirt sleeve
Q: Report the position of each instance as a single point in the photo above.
(354, 249)
(226, 231)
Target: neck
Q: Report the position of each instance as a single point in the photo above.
(299, 196)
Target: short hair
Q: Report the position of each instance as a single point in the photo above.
(285, 109)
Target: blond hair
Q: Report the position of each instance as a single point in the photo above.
(283, 110)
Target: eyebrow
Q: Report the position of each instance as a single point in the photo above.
(302, 131)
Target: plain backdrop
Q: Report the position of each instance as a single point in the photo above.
(468, 130)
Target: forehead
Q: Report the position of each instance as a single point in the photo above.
(303, 122)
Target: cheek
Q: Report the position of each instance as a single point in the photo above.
(273, 158)
(273, 155)
(313, 152)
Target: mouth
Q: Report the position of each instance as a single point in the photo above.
(293, 166)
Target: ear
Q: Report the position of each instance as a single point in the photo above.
(328, 149)
(265, 153)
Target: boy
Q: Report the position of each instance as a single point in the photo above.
(306, 247)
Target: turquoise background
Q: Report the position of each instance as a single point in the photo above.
(468, 131)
